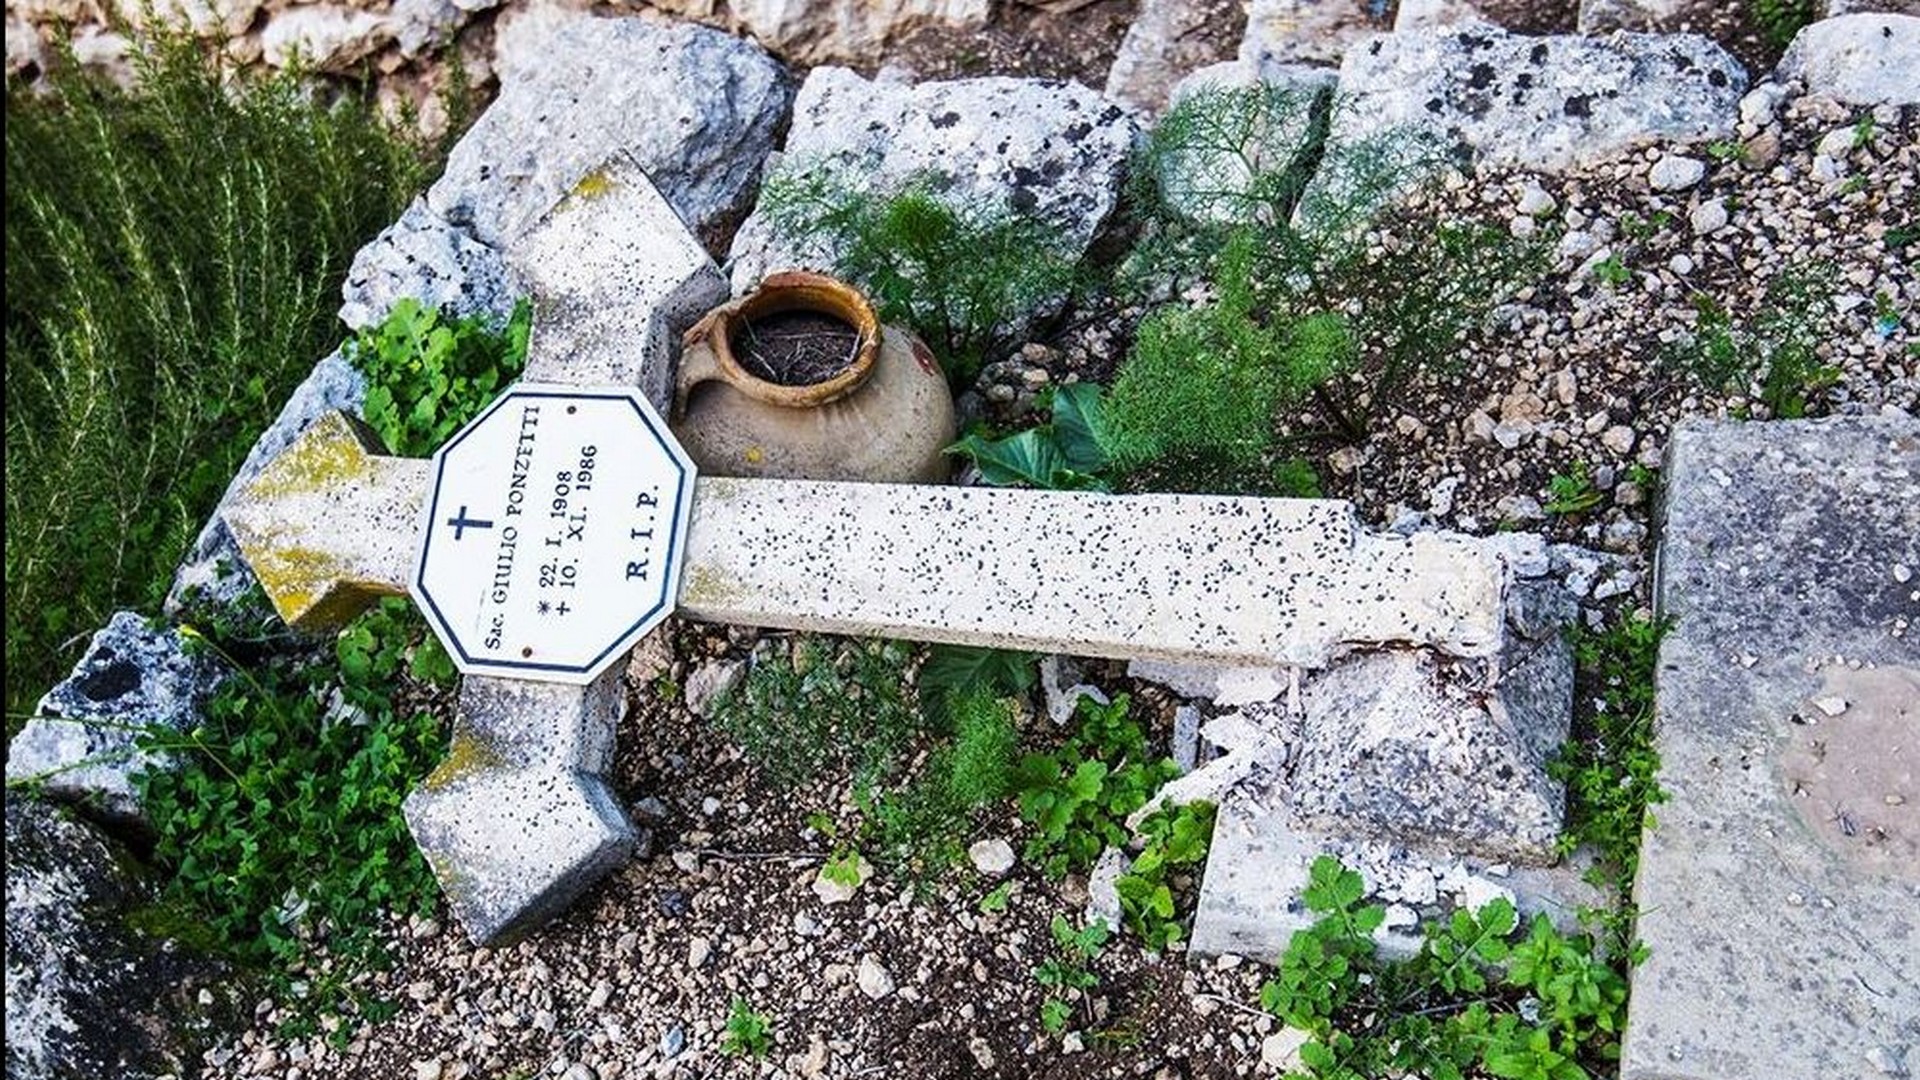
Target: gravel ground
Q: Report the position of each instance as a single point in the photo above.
(637, 980)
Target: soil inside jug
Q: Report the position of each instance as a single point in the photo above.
(795, 348)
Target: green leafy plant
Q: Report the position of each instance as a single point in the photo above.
(1778, 345)
(1779, 20)
(1610, 766)
(956, 271)
(1066, 454)
(1472, 1002)
(812, 702)
(748, 1033)
(428, 375)
(1727, 150)
(1572, 492)
(282, 824)
(1612, 272)
(1173, 837)
(1067, 975)
(155, 325)
(843, 868)
(996, 900)
(1078, 797)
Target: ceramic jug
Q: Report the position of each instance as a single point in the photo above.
(886, 417)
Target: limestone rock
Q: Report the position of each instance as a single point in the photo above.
(1295, 31)
(695, 109)
(1226, 686)
(1210, 184)
(1052, 149)
(326, 37)
(26, 53)
(1546, 103)
(80, 743)
(1603, 16)
(86, 997)
(423, 257)
(1165, 42)
(1426, 14)
(1858, 59)
(809, 32)
(1410, 748)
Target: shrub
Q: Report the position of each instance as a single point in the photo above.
(956, 272)
(174, 256)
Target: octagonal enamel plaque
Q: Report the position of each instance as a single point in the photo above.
(554, 530)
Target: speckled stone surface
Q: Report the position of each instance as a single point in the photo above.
(1045, 147)
(322, 527)
(1781, 899)
(1171, 577)
(79, 746)
(1859, 59)
(513, 847)
(1548, 103)
(616, 279)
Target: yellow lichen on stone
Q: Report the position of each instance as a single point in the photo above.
(705, 587)
(593, 185)
(328, 455)
(466, 756)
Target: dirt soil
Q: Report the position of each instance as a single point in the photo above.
(795, 348)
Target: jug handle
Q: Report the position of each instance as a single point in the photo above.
(698, 363)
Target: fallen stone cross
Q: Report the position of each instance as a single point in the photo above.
(549, 535)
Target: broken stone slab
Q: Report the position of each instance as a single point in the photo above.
(87, 997)
(1866, 59)
(618, 279)
(1173, 577)
(697, 109)
(519, 820)
(79, 745)
(1777, 890)
(1259, 860)
(1551, 103)
(1052, 149)
(514, 847)
(1224, 686)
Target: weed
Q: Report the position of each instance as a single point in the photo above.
(1610, 767)
(843, 868)
(1611, 272)
(282, 823)
(954, 272)
(1473, 1001)
(815, 702)
(1174, 837)
(1077, 798)
(1779, 20)
(417, 361)
(996, 900)
(1863, 131)
(1779, 344)
(1572, 492)
(1636, 227)
(156, 325)
(1296, 478)
(1066, 454)
(748, 1033)
(1067, 976)
(1727, 150)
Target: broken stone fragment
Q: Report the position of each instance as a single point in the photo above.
(79, 746)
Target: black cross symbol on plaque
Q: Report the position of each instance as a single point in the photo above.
(462, 523)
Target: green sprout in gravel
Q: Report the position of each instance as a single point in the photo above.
(748, 1033)
(1573, 492)
(1068, 976)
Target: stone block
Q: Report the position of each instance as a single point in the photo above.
(79, 746)
(1309, 31)
(1550, 103)
(1210, 183)
(1052, 149)
(1865, 59)
(1259, 861)
(513, 847)
(1779, 886)
(1406, 746)
(697, 109)
(617, 280)
(424, 257)
(1167, 40)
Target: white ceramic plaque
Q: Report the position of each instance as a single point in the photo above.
(554, 532)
